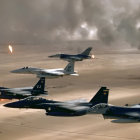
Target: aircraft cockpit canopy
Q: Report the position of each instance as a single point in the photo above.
(25, 67)
(33, 98)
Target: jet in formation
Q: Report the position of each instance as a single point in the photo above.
(97, 105)
(20, 93)
(119, 114)
(122, 112)
(48, 73)
(78, 57)
(67, 108)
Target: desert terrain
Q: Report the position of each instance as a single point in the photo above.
(117, 69)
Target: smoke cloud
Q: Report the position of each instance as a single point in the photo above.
(39, 21)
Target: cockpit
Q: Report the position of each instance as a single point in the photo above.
(33, 98)
(25, 67)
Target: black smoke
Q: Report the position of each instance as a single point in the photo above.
(40, 21)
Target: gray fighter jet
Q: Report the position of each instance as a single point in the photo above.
(76, 57)
(67, 108)
(48, 73)
(20, 93)
(119, 114)
(122, 112)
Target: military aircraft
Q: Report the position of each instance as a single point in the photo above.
(120, 114)
(67, 108)
(20, 93)
(48, 73)
(77, 57)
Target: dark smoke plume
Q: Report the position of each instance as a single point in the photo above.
(39, 21)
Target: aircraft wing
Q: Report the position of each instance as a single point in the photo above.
(76, 58)
(22, 93)
(64, 107)
(4, 89)
(77, 101)
(74, 108)
(133, 115)
(56, 73)
(15, 89)
(74, 74)
(19, 93)
(51, 73)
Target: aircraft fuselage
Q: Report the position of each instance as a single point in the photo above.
(122, 112)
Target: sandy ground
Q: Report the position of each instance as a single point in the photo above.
(118, 70)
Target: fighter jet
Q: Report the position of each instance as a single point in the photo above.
(67, 108)
(118, 113)
(48, 73)
(122, 112)
(20, 93)
(76, 57)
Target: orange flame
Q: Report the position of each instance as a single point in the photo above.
(10, 48)
(2, 99)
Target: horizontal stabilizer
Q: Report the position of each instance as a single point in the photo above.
(74, 74)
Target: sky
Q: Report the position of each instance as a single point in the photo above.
(39, 21)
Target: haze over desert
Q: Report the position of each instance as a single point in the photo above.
(119, 71)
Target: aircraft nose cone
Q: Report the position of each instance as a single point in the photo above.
(15, 71)
(56, 55)
(51, 56)
(21, 70)
(11, 105)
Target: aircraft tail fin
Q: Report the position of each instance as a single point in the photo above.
(70, 67)
(101, 96)
(39, 87)
(87, 51)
